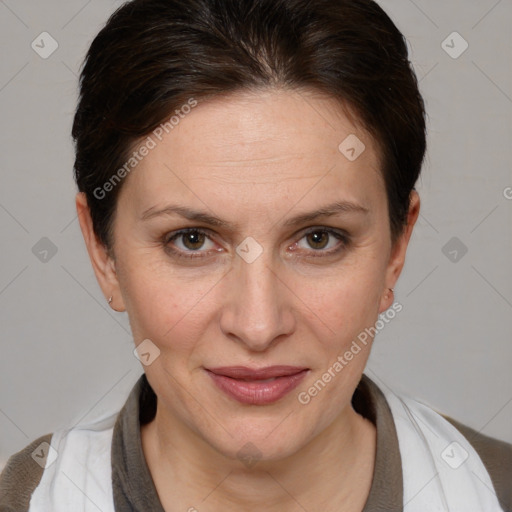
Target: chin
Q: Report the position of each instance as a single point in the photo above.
(257, 441)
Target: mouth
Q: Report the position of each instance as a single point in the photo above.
(257, 386)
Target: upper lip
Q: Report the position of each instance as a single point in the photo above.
(269, 372)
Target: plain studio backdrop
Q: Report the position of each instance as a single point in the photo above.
(67, 357)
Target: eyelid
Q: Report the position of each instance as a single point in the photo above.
(327, 229)
(175, 234)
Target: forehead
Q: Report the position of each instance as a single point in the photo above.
(258, 146)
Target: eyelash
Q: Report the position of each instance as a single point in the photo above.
(170, 237)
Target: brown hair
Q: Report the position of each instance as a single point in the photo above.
(153, 56)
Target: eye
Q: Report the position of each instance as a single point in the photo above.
(197, 243)
(323, 241)
(190, 241)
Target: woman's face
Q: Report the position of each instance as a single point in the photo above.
(258, 286)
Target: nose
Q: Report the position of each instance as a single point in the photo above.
(258, 309)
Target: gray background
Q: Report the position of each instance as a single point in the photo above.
(66, 357)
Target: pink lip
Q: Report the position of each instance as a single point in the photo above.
(245, 384)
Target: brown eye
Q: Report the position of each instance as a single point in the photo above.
(190, 242)
(193, 240)
(322, 242)
(318, 239)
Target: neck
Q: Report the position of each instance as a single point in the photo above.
(332, 472)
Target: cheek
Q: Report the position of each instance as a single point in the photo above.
(171, 311)
(344, 301)
(152, 304)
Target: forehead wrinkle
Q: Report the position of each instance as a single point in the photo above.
(252, 181)
(249, 162)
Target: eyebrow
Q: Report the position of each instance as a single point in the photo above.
(336, 208)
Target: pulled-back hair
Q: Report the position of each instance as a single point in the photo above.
(153, 56)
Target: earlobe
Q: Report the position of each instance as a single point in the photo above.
(386, 299)
(102, 262)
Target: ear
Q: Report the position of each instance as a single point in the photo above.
(398, 251)
(102, 263)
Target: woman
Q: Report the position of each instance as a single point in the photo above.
(246, 177)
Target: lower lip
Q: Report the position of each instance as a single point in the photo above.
(257, 392)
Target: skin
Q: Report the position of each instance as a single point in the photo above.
(255, 160)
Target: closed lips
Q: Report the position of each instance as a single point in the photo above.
(257, 386)
(257, 374)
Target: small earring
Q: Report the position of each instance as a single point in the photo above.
(391, 290)
(110, 300)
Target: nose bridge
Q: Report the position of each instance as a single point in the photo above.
(259, 281)
(255, 312)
